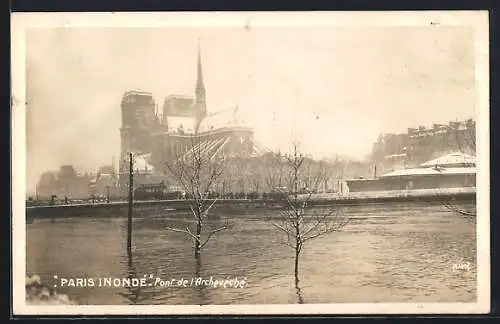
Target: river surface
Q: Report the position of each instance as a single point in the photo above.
(392, 253)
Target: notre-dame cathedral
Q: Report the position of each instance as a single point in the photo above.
(184, 121)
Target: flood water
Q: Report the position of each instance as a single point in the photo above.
(391, 253)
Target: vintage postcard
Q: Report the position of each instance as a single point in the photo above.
(250, 163)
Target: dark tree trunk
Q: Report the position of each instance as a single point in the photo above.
(298, 291)
(197, 271)
(297, 254)
(197, 243)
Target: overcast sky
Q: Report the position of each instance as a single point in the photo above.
(337, 88)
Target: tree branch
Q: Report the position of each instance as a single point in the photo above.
(458, 210)
(212, 233)
(206, 210)
(186, 231)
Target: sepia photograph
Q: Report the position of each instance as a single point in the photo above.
(250, 163)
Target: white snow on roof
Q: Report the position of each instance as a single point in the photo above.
(187, 124)
(220, 119)
(451, 159)
(141, 162)
(395, 156)
(429, 171)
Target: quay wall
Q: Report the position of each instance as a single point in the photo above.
(120, 209)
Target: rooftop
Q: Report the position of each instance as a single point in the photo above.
(137, 93)
(429, 171)
(456, 158)
(453, 163)
(179, 96)
(393, 156)
(141, 163)
(220, 119)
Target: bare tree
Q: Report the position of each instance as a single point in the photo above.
(231, 175)
(197, 173)
(465, 137)
(249, 171)
(274, 170)
(299, 221)
(255, 181)
(325, 175)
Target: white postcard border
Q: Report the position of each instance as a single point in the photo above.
(21, 21)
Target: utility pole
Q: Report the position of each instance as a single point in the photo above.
(130, 202)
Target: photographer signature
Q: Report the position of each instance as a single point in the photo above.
(462, 266)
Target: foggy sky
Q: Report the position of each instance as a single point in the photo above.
(336, 88)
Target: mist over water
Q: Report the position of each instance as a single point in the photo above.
(391, 253)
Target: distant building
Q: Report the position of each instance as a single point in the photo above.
(104, 183)
(63, 183)
(455, 170)
(67, 183)
(150, 191)
(394, 151)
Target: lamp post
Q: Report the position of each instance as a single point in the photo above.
(130, 202)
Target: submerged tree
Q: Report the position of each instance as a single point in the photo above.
(197, 171)
(299, 221)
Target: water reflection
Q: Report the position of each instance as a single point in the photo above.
(298, 291)
(132, 292)
(200, 289)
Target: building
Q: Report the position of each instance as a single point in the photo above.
(65, 183)
(183, 126)
(395, 151)
(138, 118)
(104, 183)
(69, 184)
(151, 191)
(455, 170)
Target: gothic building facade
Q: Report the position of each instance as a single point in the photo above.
(183, 123)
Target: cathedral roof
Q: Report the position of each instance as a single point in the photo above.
(224, 118)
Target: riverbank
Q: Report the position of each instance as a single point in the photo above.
(120, 208)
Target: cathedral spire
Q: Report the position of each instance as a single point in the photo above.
(200, 89)
(199, 80)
